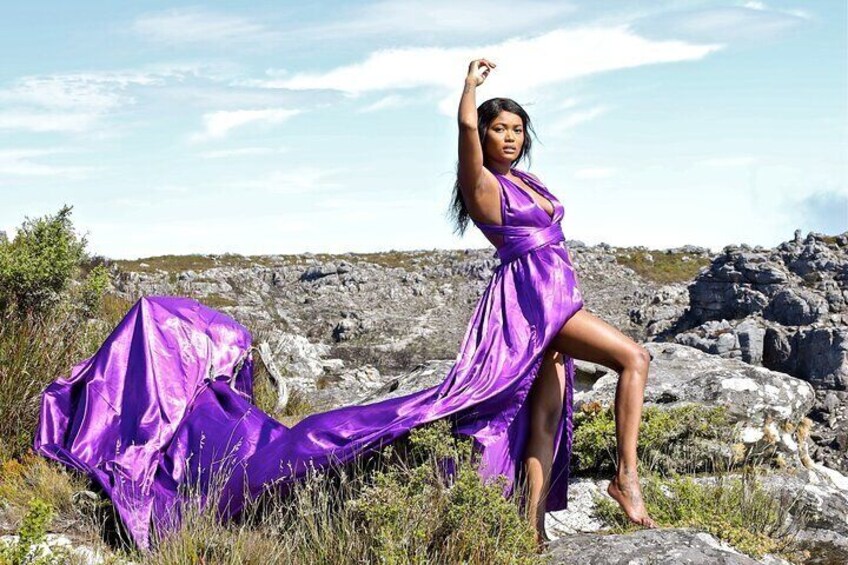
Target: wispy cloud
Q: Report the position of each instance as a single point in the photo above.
(791, 11)
(439, 18)
(295, 181)
(218, 124)
(76, 102)
(241, 152)
(568, 121)
(591, 173)
(171, 189)
(391, 101)
(825, 211)
(747, 22)
(21, 163)
(24, 120)
(569, 102)
(199, 25)
(521, 61)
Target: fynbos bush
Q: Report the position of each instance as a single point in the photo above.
(44, 314)
(38, 264)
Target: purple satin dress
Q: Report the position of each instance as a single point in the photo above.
(166, 400)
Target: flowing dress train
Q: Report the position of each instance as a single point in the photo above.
(166, 401)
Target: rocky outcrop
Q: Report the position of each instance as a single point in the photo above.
(377, 316)
(817, 354)
(767, 410)
(766, 406)
(761, 331)
(785, 308)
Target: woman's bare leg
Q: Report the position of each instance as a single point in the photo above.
(545, 404)
(587, 337)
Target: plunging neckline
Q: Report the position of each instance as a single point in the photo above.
(539, 206)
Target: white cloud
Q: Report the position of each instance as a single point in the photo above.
(762, 7)
(23, 120)
(524, 64)
(391, 101)
(579, 52)
(201, 26)
(128, 202)
(568, 103)
(171, 189)
(20, 163)
(440, 17)
(590, 173)
(752, 21)
(218, 124)
(242, 151)
(294, 181)
(76, 102)
(568, 121)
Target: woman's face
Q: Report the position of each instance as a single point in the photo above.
(505, 137)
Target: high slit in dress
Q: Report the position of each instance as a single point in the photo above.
(166, 401)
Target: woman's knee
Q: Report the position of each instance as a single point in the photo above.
(638, 358)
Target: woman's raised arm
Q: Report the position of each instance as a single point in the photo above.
(470, 152)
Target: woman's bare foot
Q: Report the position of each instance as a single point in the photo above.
(542, 541)
(624, 488)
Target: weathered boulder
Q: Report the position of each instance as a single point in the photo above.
(730, 339)
(816, 354)
(764, 405)
(660, 546)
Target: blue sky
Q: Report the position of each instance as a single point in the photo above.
(285, 127)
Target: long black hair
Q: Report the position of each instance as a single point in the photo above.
(486, 113)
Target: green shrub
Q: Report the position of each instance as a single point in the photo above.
(736, 509)
(31, 535)
(93, 289)
(40, 262)
(674, 439)
(414, 516)
(44, 318)
(664, 266)
(396, 505)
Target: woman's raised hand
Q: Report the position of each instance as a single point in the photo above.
(478, 70)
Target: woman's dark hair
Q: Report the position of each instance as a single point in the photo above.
(486, 113)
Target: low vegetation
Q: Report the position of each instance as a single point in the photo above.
(683, 482)
(663, 266)
(679, 439)
(418, 500)
(733, 508)
(398, 506)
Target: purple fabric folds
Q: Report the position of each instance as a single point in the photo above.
(166, 400)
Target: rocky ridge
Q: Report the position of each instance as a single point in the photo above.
(762, 331)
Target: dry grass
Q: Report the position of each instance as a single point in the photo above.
(397, 505)
(664, 266)
(34, 351)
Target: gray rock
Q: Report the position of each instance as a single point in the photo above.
(761, 403)
(730, 339)
(660, 546)
(796, 307)
(816, 354)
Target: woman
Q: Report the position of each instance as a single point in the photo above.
(509, 205)
(166, 402)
